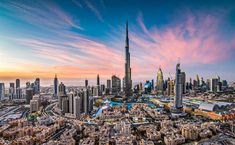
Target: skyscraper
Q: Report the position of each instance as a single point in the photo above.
(71, 102)
(18, 91)
(17, 83)
(77, 106)
(213, 84)
(37, 86)
(61, 94)
(86, 101)
(29, 94)
(2, 91)
(55, 86)
(178, 88)
(127, 78)
(116, 85)
(86, 83)
(98, 85)
(159, 84)
(108, 89)
(11, 91)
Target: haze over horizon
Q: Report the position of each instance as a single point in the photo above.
(83, 38)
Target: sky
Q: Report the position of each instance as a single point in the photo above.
(78, 39)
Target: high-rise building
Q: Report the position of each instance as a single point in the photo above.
(108, 88)
(170, 87)
(213, 84)
(94, 91)
(12, 91)
(183, 82)
(64, 104)
(2, 91)
(29, 94)
(152, 83)
(18, 90)
(62, 89)
(61, 94)
(56, 86)
(17, 83)
(71, 102)
(91, 100)
(116, 85)
(77, 106)
(86, 83)
(86, 101)
(37, 86)
(159, 84)
(98, 85)
(102, 89)
(178, 88)
(198, 81)
(127, 83)
(98, 80)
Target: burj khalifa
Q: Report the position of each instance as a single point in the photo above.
(127, 79)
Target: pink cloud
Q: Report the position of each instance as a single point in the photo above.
(190, 40)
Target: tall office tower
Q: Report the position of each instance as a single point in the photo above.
(29, 94)
(86, 83)
(86, 101)
(61, 94)
(198, 81)
(152, 85)
(56, 86)
(62, 89)
(98, 85)
(208, 84)
(165, 85)
(37, 86)
(213, 84)
(108, 88)
(17, 83)
(219, 87)
(2, 91)
(202, 82)
(159, 84)
(183, 82)
(64, 104)
(170, 87)
(91, 101)
(178, 88)
(141, 87)
(77, 106)
(11, 91)
(190, 84)
(102, 89)
(98, 80)
(12, 85)
(18, 90)
(127, 83)
(116, 85)
(71, 102)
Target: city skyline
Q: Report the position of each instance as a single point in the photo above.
(203, 40)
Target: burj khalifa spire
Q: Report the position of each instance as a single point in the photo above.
(127, 78)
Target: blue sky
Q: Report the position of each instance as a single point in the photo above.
(81, 38)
